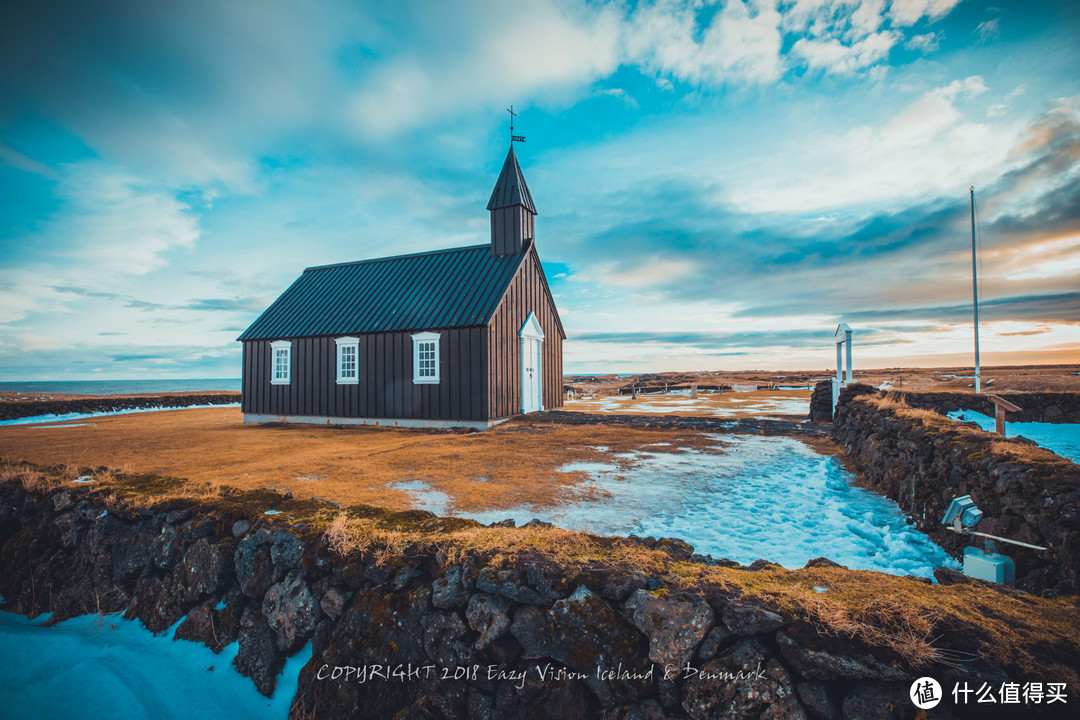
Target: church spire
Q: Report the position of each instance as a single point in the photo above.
(512, 210)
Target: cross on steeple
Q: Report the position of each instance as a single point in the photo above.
(513, 138)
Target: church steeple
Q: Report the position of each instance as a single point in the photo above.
(512, 210)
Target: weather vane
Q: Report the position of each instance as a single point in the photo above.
(514, 138)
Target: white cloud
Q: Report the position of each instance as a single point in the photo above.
(833, 56)
(109, 229)
(483, 54)
(988, 30)
(905, 13)
(928, 148)
(113, 225)
(926, 43)
(741, 44)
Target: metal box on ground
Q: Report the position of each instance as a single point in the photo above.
(983, 565)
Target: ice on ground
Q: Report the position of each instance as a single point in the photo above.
(708, 404)
(271, 512)
(764, 497)
(43, 419)
(102, 667)
(1060, 438)
(424, 496)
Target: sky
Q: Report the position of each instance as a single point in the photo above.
(719, 184)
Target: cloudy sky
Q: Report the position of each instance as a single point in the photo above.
(719, 183)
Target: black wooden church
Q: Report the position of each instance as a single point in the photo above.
(459, 337)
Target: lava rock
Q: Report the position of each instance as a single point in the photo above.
(746, 683)
(674, 627)
(819, 664)
(207, 568)
(747, 620)
(489, 616)
(816, 698)
(444, 642)
(712, 642)
(881, 701)
(254, 567)
(290, 611)
(332, 603)
(258, 657)
(447, 591)
(584, 634)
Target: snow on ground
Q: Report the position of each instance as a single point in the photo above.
(765, 497)
(96, 667)
(708, 403)
(1060, 438)
(40, 419)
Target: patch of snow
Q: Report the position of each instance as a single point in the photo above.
(885, 386)
(1060, 438)
(820, 588)
(765, 497)
(84, 479)
(96, 667)
(40, 419)
(600, 448)
(272, 512)
(56, 427)
(424, 496)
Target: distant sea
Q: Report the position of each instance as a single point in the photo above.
(120, 387)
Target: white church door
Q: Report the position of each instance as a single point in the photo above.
(532, 385)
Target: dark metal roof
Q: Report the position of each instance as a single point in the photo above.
(460, 287)
(510, 188)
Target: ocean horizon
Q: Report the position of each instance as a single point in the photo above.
(119, 387)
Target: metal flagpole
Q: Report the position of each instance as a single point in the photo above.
(975, 289)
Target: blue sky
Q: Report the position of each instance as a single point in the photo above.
(718, 184)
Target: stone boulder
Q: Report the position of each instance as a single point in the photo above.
(747, 683)
(674, 627)
(584, 634)
(488, 615)
(747, 620)
(290, 611)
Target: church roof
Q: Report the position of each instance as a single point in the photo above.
(460, 287)
(510, 188)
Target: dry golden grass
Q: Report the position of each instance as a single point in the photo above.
(1031, 454)
(516, 464)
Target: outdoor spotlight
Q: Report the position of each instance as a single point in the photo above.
(962, 513)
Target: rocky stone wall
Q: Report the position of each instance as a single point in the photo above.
(15, 410)
(922, 467)
(410, 635)
(821, 403)
(1048, 407)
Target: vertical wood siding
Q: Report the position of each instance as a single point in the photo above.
(526, 294)
(386, 388)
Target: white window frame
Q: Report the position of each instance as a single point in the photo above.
(275, 348)
(419, 340)
(344, 343)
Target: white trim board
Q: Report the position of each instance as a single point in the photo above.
(250, 418)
